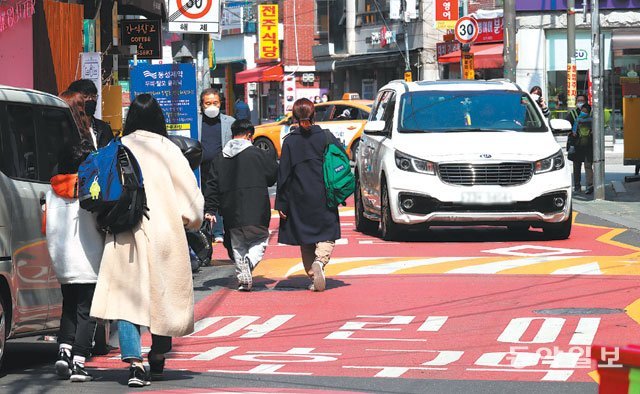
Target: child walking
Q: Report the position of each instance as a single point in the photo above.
(237, 188)
(75, 246)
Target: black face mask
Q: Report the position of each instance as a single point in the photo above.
(90, 107)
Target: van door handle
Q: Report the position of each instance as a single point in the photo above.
(43, 199)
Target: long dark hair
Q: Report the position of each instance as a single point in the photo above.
(75, 101)
(304, 112)
(145, 114)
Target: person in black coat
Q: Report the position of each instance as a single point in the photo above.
(301, 200)
(101, 130)
(237, 189)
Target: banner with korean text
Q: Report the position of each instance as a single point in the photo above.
(447, 14)
(269, 44)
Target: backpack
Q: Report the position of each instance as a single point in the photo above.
(110, 184)
(339, 181)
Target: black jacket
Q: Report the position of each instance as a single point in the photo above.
(301, 192)
(103, 131)
(237, 187)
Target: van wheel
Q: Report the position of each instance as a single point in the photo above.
(3, 329)
(354, 150)
(266, 145)
(558, 231)
(363, 224)
(388, 228)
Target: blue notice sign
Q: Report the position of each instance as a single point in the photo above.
(174, 86)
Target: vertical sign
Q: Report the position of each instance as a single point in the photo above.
(572, 85)
(467, 66)
(92, 69)
(174, 87)
(408, 76)
(446, 14)
(89, 35)
(269, 46)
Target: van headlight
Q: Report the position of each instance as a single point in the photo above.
(412, 164)
(551, 163)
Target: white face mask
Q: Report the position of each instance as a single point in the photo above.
(211, 111)
(535, 97)
(579, 104)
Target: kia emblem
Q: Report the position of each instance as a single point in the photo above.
(485, 156)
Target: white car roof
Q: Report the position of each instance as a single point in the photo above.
(29, 96)
(456, 85)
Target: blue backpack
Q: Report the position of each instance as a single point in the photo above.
(110, 184)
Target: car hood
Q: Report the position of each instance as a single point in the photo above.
(477, 146)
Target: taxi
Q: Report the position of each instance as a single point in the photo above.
(344, 118)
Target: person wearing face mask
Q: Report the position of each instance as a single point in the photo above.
(536, 94)
(215, 132)
(101, 131)
(581, 100)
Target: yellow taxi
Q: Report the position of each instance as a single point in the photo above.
(344, 118)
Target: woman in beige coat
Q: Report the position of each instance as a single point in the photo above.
(145, 274)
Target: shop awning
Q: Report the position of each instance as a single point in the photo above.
(260, 74)
(484, 56)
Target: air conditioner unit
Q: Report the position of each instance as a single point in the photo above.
(308, 78)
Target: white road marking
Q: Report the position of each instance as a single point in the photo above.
(583, 269)
(495, 267)
(388, 268)
(542, 251)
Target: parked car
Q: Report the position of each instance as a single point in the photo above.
(461, 153)
(33, 128)
(345, 119)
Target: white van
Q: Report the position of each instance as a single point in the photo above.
(33, 128)
(461, 153)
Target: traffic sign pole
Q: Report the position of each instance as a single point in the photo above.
(466, 32)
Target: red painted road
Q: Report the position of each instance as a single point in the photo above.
(431, 327)
(421, 326)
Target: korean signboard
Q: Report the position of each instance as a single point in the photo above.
(446, 14)
(13, 12)
(269, 44)
(468, 71)
(561, 5)
(145, 35)
(443, 48)
(490, 30)
(174, 87)
(572, 85)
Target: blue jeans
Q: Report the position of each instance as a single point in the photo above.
(218, 228)
(130, 344)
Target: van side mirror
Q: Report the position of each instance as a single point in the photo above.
(560, 125)
(375, 127)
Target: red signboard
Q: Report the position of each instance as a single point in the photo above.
(490, 30)
(443, 48)
(446, 14)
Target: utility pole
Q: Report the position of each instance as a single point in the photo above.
(510, 40)
(571, 54)
(597, 109)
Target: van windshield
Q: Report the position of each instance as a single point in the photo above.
(468, 111)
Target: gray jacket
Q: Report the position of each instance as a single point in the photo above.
(225, 124)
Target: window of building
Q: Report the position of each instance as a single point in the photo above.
(372, 12)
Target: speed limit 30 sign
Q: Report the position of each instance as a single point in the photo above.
(194, 16)
(466, 30)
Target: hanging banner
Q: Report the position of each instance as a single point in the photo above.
(446, 14)
(468, 71)
(269, 44)
(91, 68)
(572, 84)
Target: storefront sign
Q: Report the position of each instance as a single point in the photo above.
(269, 45)
(572, 85)
(89, 35)
(443, 48)
(145, 35)
(91, 68)
(408, 76)
(561, 5)
(490, 30)
(174, 87)
(446, 14)
(468, 71)
(12, 12)
(383, 37)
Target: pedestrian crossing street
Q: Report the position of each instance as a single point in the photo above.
(527, 258)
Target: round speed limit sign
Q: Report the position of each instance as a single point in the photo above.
(466, 30)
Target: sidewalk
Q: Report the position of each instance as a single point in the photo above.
(622, 200)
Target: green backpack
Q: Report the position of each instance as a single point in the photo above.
(339, 181)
